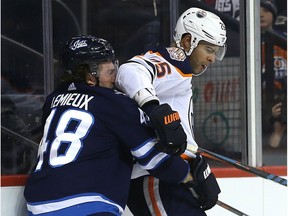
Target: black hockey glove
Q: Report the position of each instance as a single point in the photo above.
(204, 183)
(168, 126)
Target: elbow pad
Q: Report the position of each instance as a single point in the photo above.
(145, 95)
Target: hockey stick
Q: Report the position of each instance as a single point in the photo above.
(24, 140)
(239, 165)
(222, 204)
(230, 208)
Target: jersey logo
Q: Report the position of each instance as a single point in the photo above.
(71, 87)
(171, 118)
(176, 53)
(207, 172)
(201, 14)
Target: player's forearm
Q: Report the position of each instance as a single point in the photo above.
(173, 170)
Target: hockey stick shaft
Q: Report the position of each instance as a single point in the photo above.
(23, 139)
(222, 204)
(239, 165)
(230, 208)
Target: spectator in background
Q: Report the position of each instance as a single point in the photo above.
(268, 16)
(279, 121)
(281, 23)
(274, 111)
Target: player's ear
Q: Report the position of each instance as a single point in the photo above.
(91, 80)
(186, 42)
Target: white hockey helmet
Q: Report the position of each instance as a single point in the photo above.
(202, 26)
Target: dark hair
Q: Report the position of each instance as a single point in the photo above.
(270, 6)
(78, 75)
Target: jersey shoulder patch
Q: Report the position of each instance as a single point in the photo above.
(176, 53)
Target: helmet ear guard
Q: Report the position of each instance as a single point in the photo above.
(202, 26)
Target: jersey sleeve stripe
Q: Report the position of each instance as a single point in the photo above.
(155, 161)
(144, 149)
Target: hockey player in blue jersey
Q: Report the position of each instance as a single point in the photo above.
(92, 134)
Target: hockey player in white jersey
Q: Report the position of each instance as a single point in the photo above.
(160, 82)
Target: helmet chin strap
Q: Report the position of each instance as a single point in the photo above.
(190, 51)
(199, 74)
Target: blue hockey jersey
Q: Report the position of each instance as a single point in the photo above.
(90, 138)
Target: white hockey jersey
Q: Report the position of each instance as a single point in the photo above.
(168, 72)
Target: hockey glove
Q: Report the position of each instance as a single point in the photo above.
(167, 124)
(204, 183)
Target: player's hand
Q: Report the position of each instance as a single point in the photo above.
(276, 110)
(168, 126)
(204, 182)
